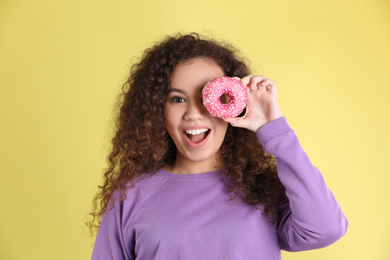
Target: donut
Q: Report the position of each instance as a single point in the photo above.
(233, 88)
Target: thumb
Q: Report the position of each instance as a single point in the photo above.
(233, 121)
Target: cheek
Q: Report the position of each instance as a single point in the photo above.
(172, 119)
(220, 126)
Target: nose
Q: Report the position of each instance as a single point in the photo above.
(195, 111)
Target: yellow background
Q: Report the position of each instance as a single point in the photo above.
(62, 64)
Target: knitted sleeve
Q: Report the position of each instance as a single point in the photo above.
(111, 241)
(310, 216)
(115, 239)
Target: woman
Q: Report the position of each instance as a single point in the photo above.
(182, 184)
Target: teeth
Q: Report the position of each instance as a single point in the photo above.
(196, 132)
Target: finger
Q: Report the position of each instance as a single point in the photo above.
(236, 122)
(254, 81)
(245, 80)
(268, 82)
(257, 79)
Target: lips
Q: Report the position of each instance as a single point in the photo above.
(196, 137)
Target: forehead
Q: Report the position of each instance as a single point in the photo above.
(195, 73)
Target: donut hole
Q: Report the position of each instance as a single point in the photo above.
(224, 98)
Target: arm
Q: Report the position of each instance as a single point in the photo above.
(110, 241)
(310, 217)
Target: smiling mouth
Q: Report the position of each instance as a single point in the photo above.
(197, 136)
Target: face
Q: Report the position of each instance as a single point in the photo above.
(197, 135)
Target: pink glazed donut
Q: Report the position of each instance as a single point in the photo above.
(217, 87)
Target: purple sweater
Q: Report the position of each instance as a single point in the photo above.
(170, 216)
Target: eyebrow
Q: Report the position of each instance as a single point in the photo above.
(176, 90)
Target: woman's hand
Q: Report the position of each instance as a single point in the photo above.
(262, 104)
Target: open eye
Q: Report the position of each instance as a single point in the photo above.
(177, 99)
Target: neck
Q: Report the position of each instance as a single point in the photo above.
(184, 166)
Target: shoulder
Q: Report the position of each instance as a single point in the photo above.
(137, 192)
(144, 186)
(114, 236)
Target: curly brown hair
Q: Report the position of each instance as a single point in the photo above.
(142, 145)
